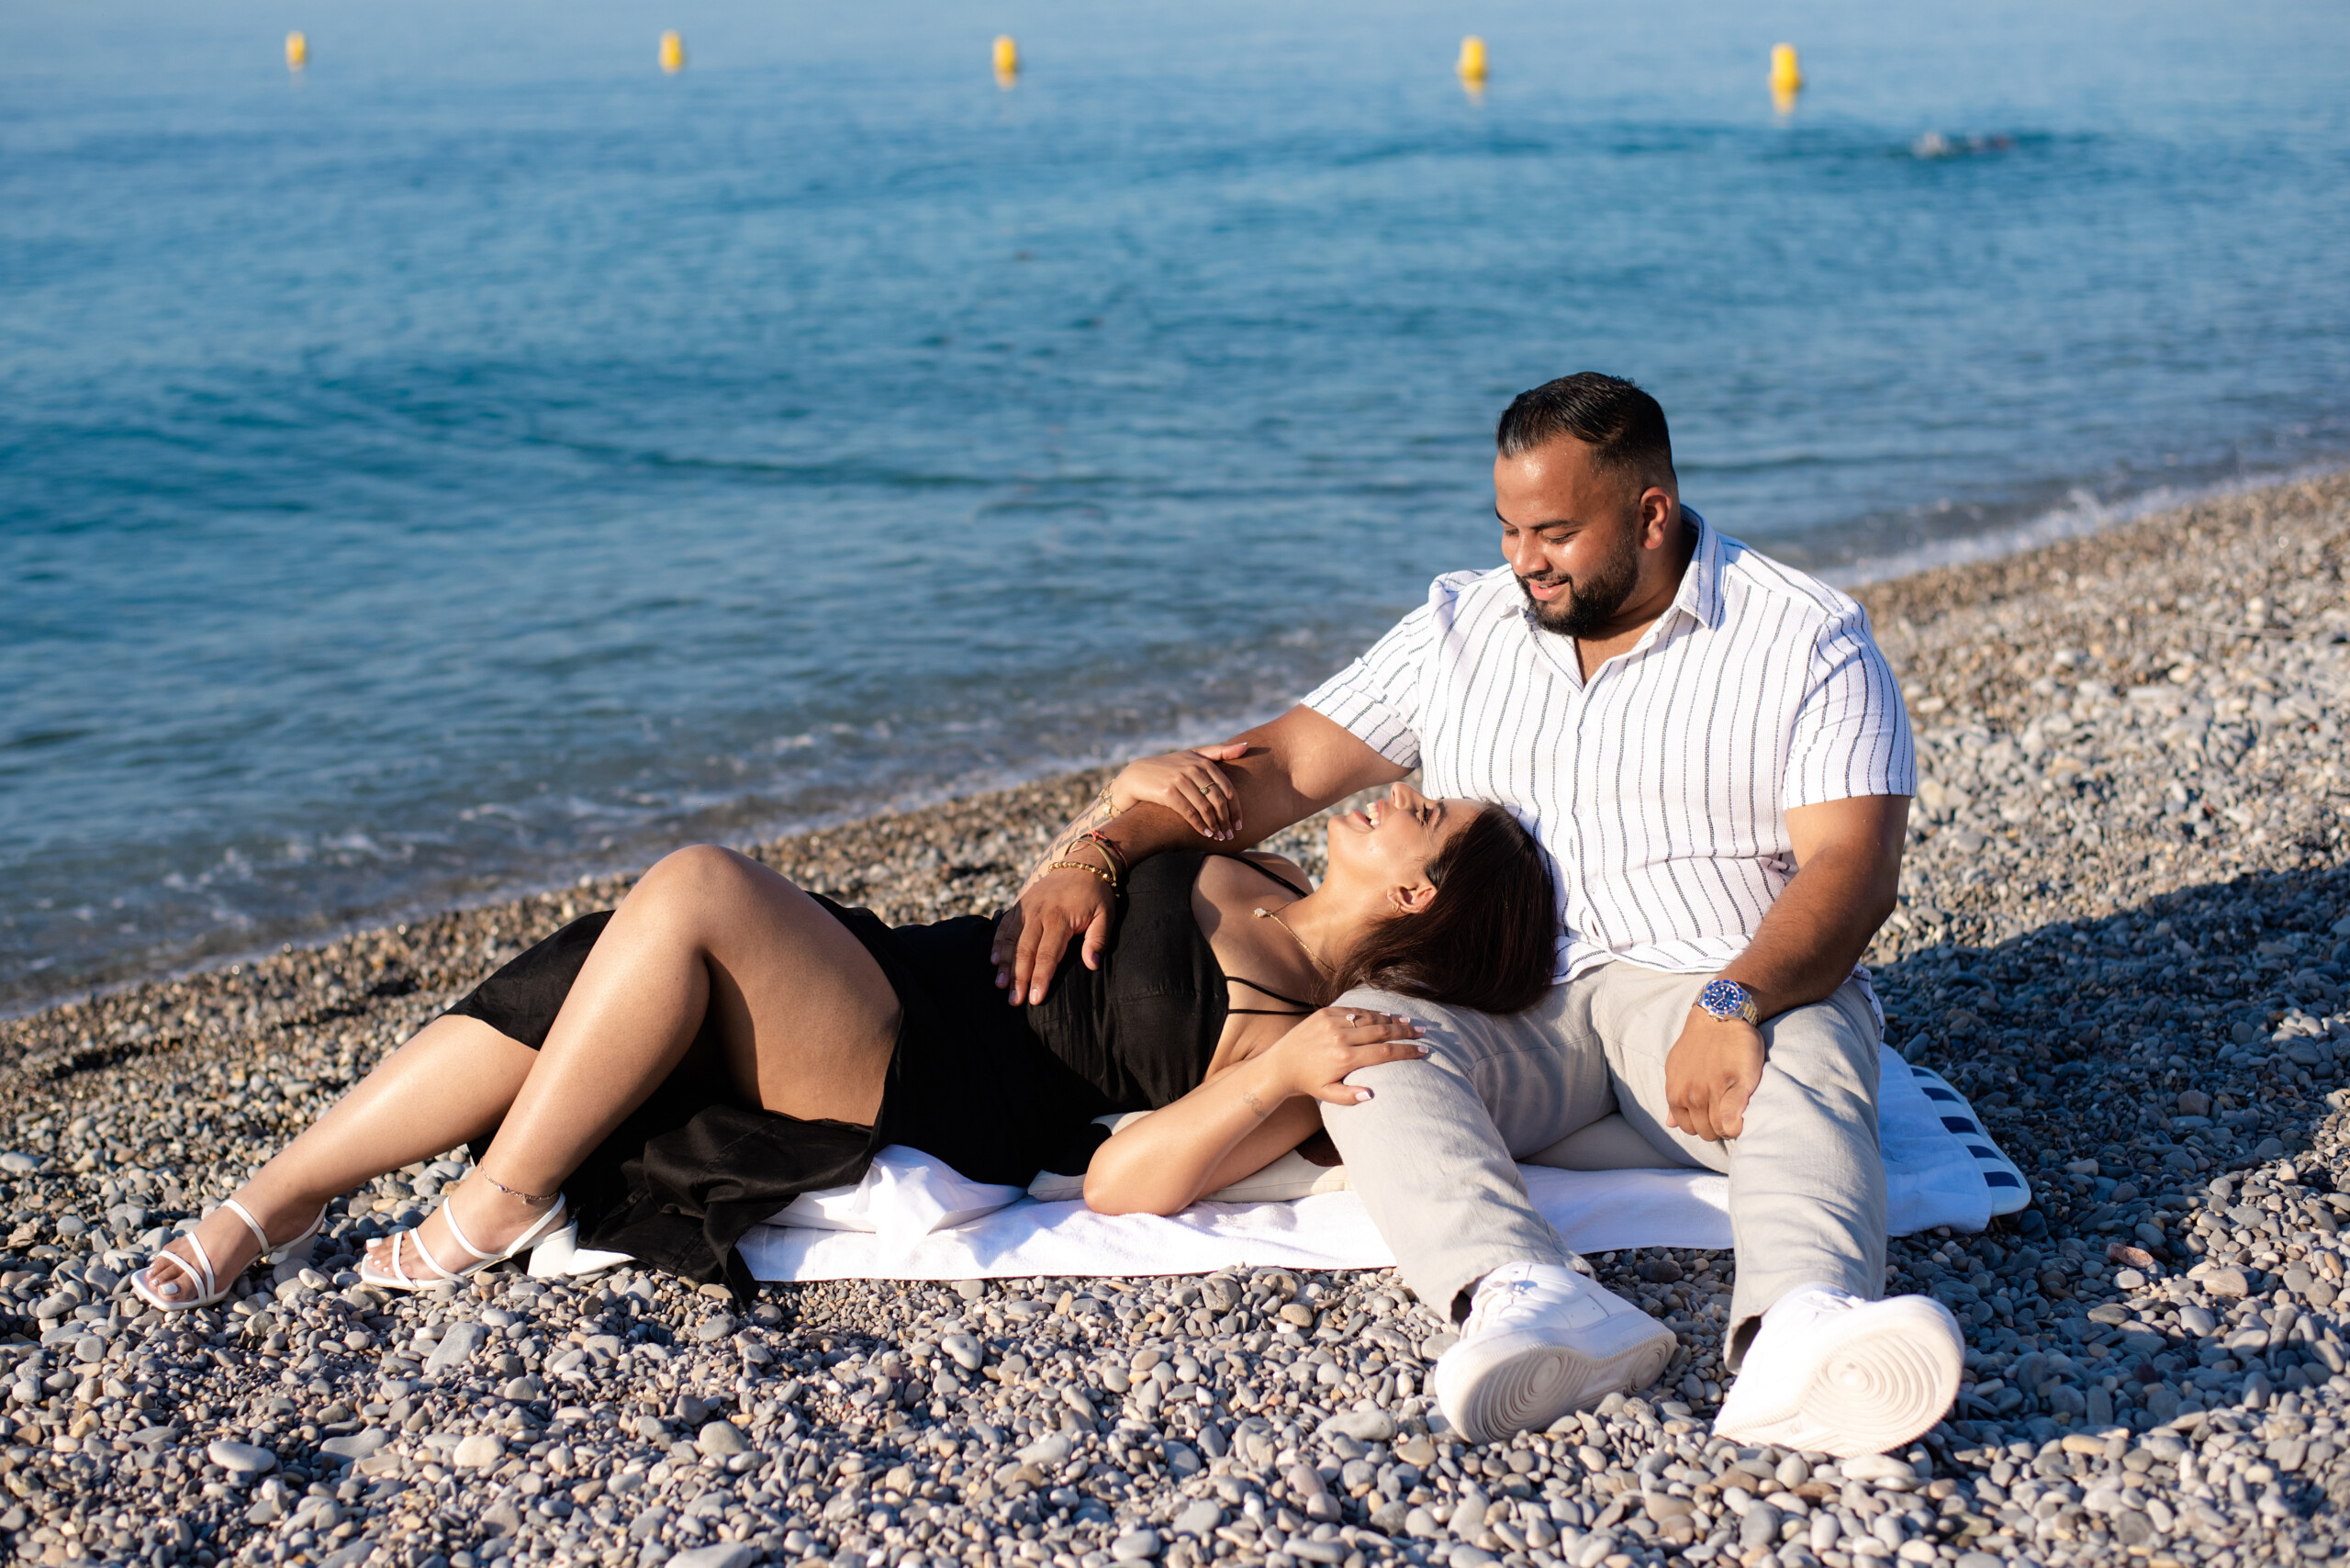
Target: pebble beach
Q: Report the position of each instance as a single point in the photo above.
(2124, 931)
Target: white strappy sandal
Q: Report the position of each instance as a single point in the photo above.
(204, 1275)
(398, 1278)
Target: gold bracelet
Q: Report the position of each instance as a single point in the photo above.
(1083, 865)
(1108, 851)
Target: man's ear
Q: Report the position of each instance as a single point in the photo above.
(1660, 517)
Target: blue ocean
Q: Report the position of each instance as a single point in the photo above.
(481, 457)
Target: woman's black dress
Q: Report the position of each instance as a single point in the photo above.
(999, 1092)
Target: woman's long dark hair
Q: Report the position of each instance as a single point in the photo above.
(1488, 939)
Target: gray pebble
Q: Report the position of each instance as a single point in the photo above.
(1198, 1518)
(1135, 1546)
(478, 1451)
(241, 1459)
(356, 1445)
(1046, 1451)
(721, 1440)
(722, 1554)
(1364, 1426)
(456, 1347)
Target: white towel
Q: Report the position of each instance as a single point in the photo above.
(914, 1219)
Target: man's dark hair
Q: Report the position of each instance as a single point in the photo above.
(1623, 426)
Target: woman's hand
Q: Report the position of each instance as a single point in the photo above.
(1188, 783)
(1314, 1058)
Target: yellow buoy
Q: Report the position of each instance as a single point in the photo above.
(1472, 63)
(673, 52)
(1007, 59)
(298, 51)
(1787, 72)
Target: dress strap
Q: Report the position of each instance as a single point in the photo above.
(1264, 870)
(1269, 991)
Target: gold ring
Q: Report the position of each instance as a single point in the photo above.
(1352, 1019)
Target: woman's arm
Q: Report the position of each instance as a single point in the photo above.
(1288, 770)
(1245, 1117)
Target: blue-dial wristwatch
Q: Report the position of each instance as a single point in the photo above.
(1726, 999)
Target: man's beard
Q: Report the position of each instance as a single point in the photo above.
(1587, 607)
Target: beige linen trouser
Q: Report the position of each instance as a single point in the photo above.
(1434, 1151)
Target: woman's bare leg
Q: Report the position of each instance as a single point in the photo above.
(804, 1016)
(449, 1083)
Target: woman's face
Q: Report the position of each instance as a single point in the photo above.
(1390, 842)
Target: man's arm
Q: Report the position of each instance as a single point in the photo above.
(1848, 871)
(1289, 769)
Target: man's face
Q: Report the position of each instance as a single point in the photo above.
(1572, 531)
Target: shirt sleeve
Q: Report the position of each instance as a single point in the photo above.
(1377, 697)
(1852, 733)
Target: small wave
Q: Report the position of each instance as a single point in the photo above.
(2082, 515)
(1934, 145)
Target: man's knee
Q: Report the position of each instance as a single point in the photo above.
(1514, 1079)
(1826, 1045)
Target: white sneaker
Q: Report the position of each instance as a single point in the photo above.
(1835, 1374)
(1542, 1340)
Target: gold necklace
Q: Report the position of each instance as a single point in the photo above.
(1277, 920)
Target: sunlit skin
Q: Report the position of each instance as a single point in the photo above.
(1570, 524)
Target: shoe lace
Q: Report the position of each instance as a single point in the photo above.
(1499, 1302)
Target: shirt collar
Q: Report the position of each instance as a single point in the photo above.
(1700, 596)
(1700, 599)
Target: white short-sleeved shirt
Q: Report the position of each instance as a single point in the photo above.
(1661, 787)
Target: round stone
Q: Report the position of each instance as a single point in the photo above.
(721, 1440)
(1878, 1467)
(478, 1451)
(241, 1459)
(1135, 1546)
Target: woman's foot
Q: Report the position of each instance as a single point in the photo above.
(176, 1275)
(489, 1223)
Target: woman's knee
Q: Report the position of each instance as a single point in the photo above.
(698, 874)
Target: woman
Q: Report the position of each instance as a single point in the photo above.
(672, 1072)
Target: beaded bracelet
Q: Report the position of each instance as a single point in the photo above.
(1108, 851)
(1083, 865)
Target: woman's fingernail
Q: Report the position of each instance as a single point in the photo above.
(1361, 1095)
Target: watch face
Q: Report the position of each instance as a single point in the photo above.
(1723, 999)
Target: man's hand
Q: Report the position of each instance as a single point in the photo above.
(1035, 931)
(1711, 1073)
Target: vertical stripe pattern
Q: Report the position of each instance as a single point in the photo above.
(1661, 787)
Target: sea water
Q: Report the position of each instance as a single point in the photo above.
(480, 457)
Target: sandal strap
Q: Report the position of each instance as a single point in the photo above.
(261, 1236)
(203, 1282)
(439, 1269)
(540, 1231)
(449, 1213)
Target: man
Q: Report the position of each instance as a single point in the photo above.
(1716, 753)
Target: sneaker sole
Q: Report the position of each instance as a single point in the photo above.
(1882, 1388)
(1514, 1384)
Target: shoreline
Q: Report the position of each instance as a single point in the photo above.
(2124, 919)
(2043, 530)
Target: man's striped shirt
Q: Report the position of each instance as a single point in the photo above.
(1661, 787)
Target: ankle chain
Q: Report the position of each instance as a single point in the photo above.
(533, 1199)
